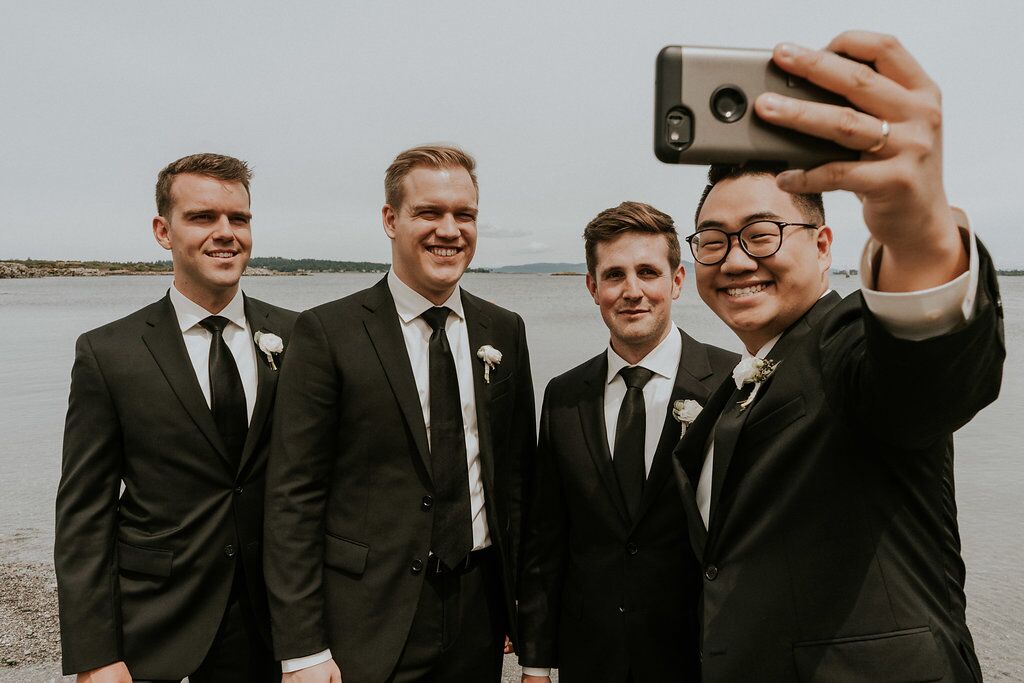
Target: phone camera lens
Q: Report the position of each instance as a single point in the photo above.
(728, 103)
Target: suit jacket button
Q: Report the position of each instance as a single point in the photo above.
(238, 490)
(229, 550)
(632, 548)
(417, 566)
(622, 609)
(711, 573)
(426, 503)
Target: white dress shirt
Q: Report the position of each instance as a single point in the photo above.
(663, 361)
(410, 305)
(237, 336)
(906, 315)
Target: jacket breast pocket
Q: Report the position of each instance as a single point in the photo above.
(154, 561)
(500, 387)
(348, 556)
(906, 656)
(775, 421)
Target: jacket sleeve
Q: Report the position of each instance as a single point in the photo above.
(545, 548)
(303, 448)
(524, 436)
(86, 520)
(911, 393)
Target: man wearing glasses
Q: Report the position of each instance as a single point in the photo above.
(818, 485)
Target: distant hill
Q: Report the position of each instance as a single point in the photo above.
(543, 268)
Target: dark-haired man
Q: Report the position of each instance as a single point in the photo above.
(608, 587)
(819, 483)
(160, 503)
(406, 417)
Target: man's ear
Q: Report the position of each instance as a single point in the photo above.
(824, 241)
(677, 281)
(388, 215)
(162, 232)
(592, 288)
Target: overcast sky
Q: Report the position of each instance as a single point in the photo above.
(555, 100)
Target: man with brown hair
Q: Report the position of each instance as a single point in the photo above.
(608, 588)
(172, 405)
(406, 420)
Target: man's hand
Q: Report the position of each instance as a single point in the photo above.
(536, 679)
(111, 673)
(508, 649)
(900, 183)
(324, 672)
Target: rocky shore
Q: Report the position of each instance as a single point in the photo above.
(17, 270)
(30, 633)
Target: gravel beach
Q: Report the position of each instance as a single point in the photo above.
(30, 634)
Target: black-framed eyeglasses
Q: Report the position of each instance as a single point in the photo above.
(759, 239)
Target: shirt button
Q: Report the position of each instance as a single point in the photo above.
(632, 548)
(229, 550)
(711, 573)
(426, 503)
(417, 566)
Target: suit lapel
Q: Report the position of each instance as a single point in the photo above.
(266, 378)
(385, 331)
(164, 341)
(477, 328)
(731, 419)
(591, 409)
(694, 367)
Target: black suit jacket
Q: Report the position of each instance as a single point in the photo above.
(348, 533)
(833, 552)
(144, 575)
(604, 597)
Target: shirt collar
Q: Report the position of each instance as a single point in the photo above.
(189, 313)
(410, 304)
(662, 360)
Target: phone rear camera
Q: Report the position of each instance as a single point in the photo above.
(728, 104)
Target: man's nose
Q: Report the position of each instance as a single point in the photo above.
(222, 229)
(737, 260)
(447, 227)
(631, 287)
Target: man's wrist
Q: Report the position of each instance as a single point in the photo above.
(536, 671)
(299, 663)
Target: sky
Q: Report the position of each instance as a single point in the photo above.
(554, 99)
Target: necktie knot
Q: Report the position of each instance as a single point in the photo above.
(436, 317)
(636, 377)
(214, 323)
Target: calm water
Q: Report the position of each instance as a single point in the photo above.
(40, 320)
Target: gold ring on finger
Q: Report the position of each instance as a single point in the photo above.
(882, 139)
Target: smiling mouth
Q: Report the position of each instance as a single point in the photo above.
(221, 254)
(633, 311)
(444, 251)
(740, 292)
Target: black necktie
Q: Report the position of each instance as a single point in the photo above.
(452, 535)
(227, 397)
(629, 438)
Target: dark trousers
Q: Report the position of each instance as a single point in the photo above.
(238, 654)
(458, 632)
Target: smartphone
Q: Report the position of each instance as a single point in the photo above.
(704, 110)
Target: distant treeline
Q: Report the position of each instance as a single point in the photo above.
(315, 265)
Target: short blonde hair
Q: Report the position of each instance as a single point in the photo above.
(430, 156)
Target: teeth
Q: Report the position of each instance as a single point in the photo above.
(221, 254)
(746, 291)
(443, 251)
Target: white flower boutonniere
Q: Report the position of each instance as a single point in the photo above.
(491, 357)
(752, 370)
(270, 344)
(685, 411)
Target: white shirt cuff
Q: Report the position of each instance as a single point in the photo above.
(300, 663)
(536, 671)
(929, 312)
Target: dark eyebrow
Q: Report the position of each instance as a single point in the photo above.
(750, 218)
